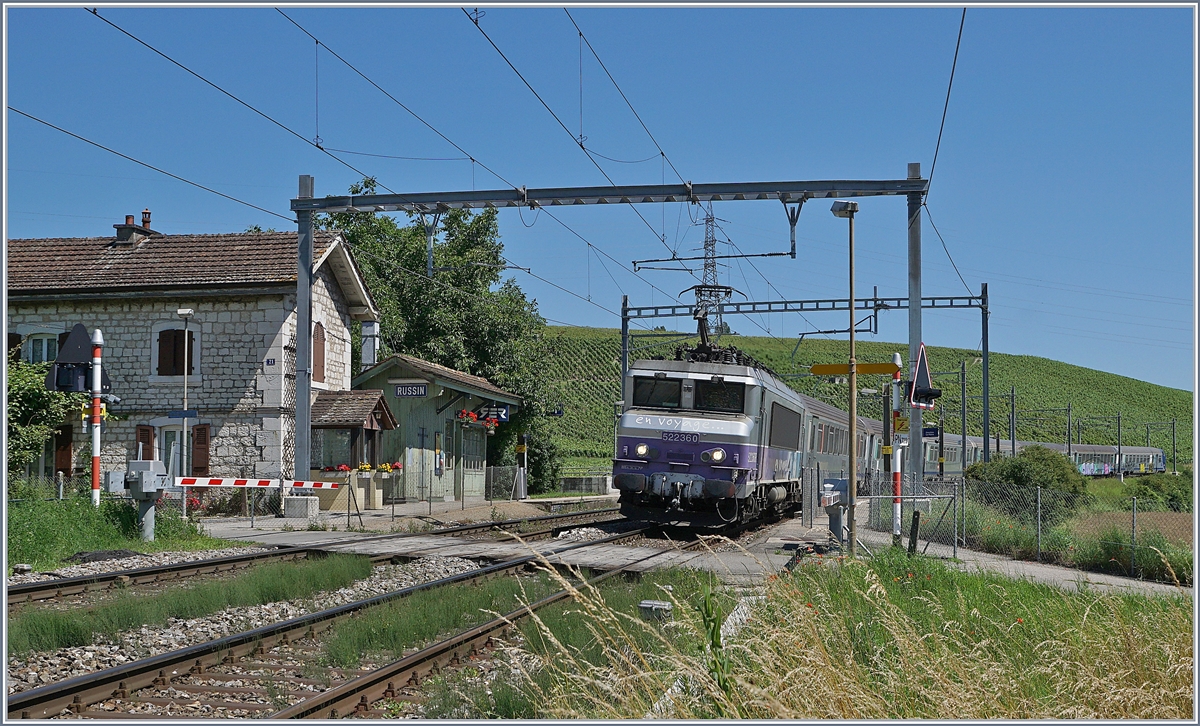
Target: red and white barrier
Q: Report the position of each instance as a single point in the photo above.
(189, 481)
(314, 484)
(201, 482)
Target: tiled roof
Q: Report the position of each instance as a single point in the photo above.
(434, 370)
(182, 260)
(450, 374)
(351, 409)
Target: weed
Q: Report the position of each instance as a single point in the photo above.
(45, 630)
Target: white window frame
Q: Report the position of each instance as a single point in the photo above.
(196, 329)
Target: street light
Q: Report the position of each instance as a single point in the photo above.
(186, 314)
(846, 210)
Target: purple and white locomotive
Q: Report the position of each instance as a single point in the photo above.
(708, 439)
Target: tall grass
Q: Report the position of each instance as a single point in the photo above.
(44, 630)
(43, 533)
(895, 637)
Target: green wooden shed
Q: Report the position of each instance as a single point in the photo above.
(443, 453)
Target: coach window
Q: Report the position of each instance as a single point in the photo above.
(657, 392)
(720, 396)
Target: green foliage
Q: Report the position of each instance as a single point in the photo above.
(33, 412)
(44, 630)
(1033, 466)
(422, 616)
(468, 317)
(42, 533)
(718, 659)
(1166, 490)
(585, 378)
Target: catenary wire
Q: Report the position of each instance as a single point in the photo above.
(150, 166)
(472, 158)
(623, 96)
(395, 100)
(403, 158)
(579, 143)
(937, 147)
(945, 249)
(95, 13)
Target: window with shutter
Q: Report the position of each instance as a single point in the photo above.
(14, 342)
(200, 439)
(318, 372)
(170, 353)
(144, 445)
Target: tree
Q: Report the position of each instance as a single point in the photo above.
(33, 411)
(467, 317)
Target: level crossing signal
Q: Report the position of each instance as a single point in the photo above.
(921, 393)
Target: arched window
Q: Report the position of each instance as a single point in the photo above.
(318, 372)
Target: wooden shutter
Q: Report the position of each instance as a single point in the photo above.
(200, 438)
(63, 461)
(62, 340)
(166, 352)
(318, 372)
(191, 353)
(14, 343)
(145, 437)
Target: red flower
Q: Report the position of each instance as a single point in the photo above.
(808, 605)
(910, 574)
(1020, 620)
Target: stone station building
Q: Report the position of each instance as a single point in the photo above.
(242, 338)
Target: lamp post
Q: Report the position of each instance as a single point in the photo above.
(846, 210)
(186, 314)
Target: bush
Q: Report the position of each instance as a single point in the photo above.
(1034, 466)
(1167, 490)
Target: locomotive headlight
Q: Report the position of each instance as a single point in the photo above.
(641, 450)
(718, 455)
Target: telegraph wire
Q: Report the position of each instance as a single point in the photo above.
(578, 142)
(623, 96)
(395, 100)
(95, 12)
(463, 151)
(150, 166)
(625, 161)
(946, 107)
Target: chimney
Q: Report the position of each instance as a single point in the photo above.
(131, 233)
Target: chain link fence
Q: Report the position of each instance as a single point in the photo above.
(1136, 537)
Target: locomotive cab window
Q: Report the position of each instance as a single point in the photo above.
(720, 396)
(657, 392)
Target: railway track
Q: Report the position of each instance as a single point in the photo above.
(30, 592)
(360, 696)
(159, 673)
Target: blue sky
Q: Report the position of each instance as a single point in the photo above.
(1064, 179)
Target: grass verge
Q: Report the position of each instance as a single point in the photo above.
(43, 533)
(892, 637)
(45, 630)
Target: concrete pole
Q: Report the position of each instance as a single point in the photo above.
(916, 454)
(429, 229)
(897, 475)
(304, 282)
(1012, 420)
(1120, 464)
(987, 400)
(852, 445)
(1069, 430)
(97, 348)
(1174, 468)
(624, 342)
(962, 444)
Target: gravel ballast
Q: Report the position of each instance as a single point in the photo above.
(154, 559)
(42, 668)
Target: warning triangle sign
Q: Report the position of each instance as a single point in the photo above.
(922, 391)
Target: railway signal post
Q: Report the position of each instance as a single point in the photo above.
(97, 348)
